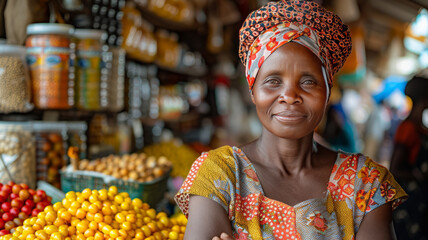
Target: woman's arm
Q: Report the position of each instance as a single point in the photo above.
(206, 219)
(377, 224)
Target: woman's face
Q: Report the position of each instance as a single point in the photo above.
(290, 92)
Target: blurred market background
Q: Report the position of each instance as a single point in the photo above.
(141, 88)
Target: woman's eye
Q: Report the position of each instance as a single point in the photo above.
(308, 81)
(272, 81)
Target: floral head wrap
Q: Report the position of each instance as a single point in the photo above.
(300, 21)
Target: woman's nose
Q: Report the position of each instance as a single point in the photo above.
(289, 95)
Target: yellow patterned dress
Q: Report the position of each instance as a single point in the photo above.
(357, 185)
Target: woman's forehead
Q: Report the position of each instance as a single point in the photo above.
(292, 54)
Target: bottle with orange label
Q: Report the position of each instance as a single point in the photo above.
(48, 57)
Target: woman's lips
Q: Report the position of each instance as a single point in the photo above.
(289, 116)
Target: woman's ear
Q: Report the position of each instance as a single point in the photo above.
(252, 97)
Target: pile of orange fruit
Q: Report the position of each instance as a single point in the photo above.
(100, 214)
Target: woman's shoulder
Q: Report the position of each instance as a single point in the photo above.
(221, 151)
(221, 158)
(357, 161)
(356, 176)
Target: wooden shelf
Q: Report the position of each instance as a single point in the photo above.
(161, 22)
(191, 72)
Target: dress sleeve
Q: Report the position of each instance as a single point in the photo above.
(375, 186)
(211, 176)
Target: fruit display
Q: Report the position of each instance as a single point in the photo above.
(137, 166)
(19, 202)
(180, 155)
(100, 214)
(50, 156)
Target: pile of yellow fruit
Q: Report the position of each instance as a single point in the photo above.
(180, 155)
(100, 214)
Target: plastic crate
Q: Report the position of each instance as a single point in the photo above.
(56, 194)
(151, 192)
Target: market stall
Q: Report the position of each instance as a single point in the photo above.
(106, 104)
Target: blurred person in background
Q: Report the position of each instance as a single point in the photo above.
(409, 162)
(339, 131)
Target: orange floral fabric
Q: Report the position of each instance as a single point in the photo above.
(357, 185)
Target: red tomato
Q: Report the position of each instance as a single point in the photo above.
(24, 194)
(16, 188)
(32, 192)
(17, 203)
(6, 206)
(26, 209)
(7, 189)
(41, 194)
(35, 212)
(14, 212)
(13, 196)
(7, 217)
(30, 203)
(2, 199)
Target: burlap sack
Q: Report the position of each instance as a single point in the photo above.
(19, 13)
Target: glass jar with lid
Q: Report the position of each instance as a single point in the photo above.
(48, 57)
(89, 43)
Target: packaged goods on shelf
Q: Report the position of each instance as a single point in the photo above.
(15, 93)
(89, 44)
(118, 216)
(140, 175)
(169, 50)
(76, 136)
(52, 139)
(107, 16)
(17, 150)
(49, 54)
(113, 91)
(195, 91)
(40, 148)
(143, 91)
(139, 40)
(181, 11)
(172, 102)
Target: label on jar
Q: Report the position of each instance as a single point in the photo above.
(88, 79)
(49, 69)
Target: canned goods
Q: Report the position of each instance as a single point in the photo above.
(48, 57)
(88, 68)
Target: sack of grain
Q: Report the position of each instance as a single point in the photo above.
(15, 94)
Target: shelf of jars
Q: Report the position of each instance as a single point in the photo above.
(146, 43)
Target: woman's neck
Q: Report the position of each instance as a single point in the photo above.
(289, 156)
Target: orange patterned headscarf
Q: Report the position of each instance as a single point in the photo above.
(300, 21)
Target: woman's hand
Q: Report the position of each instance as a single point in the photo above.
(223, 236)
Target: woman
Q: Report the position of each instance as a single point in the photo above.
(409, 163)
(284, 185)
